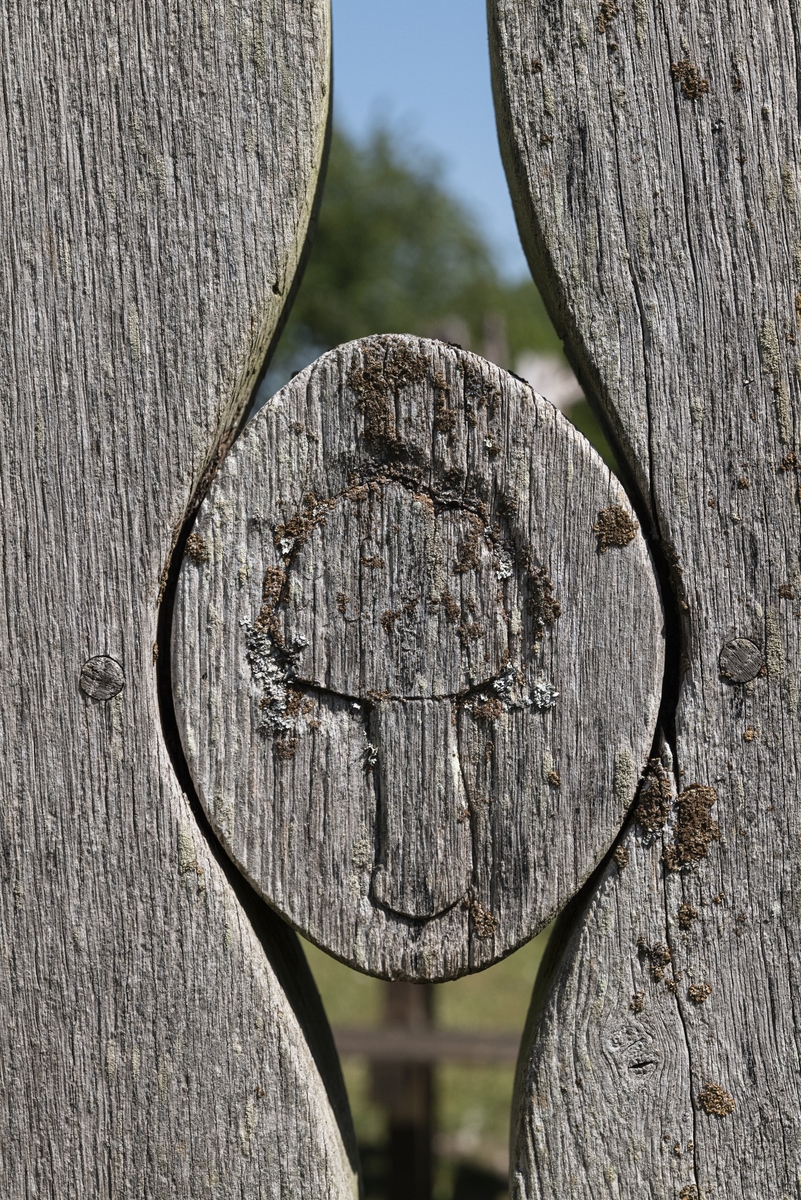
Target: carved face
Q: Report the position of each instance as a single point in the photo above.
(408, 605)
(408, 633)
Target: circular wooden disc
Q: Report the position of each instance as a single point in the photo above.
(417, 665)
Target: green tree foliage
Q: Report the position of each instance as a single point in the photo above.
(395, 252)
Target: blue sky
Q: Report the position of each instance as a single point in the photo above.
(423, 66)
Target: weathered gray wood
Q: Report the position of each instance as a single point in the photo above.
(604, 1041)
(417, 657)
(158, 165)
(653, 154)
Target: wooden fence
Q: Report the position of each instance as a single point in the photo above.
(402, 665)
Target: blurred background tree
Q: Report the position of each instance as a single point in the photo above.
(396, 252)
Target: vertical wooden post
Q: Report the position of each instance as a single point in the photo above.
(654, 155)
(159, 1033)
(405, 1090)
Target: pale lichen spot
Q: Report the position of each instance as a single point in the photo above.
(774, 647)
(112, 1059)
(769, 347)
(625, 776)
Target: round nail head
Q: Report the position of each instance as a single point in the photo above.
(102, 677)
(740, 661)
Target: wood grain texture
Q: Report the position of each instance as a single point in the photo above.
(159, 166)
(605, 1042)
(653, 155)
(417, 657)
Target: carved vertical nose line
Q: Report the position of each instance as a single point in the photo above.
(425, 852)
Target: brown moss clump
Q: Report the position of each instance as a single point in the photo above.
(715, 1101)
(688, 75)
(637, 1002)
(387, 366)
(477, 387)
(606, 15)
(468, 633)
(356, 491)
(444, 415)
(621, 856)
(542, 602)
(286, 745)
(614, 527)
(196, 549)
(289, 537)
(468, 559)
(695, 829)
(274, 580)
(690, 1192)
(687, 914)
(486, 708)
(658, 956)
(485, 923)
(699, 993)
(453, 613)
(388, 620)
(294, 701)
(653, 804)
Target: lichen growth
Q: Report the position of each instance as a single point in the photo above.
(624, 776)
(769, 347)
(543, 695)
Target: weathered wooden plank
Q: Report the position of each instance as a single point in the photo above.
(159, 162)
(417, 657)
(653, 154)
(602, 1092)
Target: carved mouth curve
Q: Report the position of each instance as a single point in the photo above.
(417, 922)
(460, 699)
